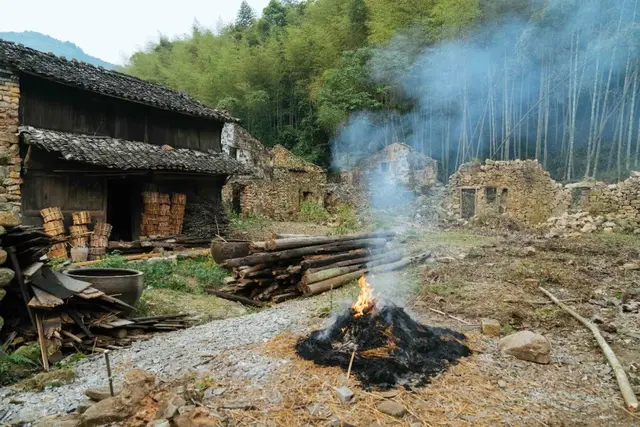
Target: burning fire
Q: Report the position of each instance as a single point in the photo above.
(365, 301)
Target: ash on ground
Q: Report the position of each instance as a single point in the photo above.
(391, 349)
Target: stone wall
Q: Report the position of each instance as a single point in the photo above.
(10, 162)
(521, 189)
(396, 162)
(622, 198)
(237, 142)
(279, 186)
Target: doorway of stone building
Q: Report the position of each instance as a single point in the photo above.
(467, 202)
(236, 199)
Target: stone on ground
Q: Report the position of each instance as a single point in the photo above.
(100, 393)
(3, 256)
(70, 420)
(84, 405)
(159, 423)
(527, 345)
(491, 327)
(136, 385)
(169, 406)
(392, 408)
(107, 411)
(199, 417)
(529, 251)
(344, 394)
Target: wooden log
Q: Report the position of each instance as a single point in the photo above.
(399, 264)
(235, 298)
(246, 274)
(299, 242)
(323, 260)
(623, 381)
(283, 297)
(333, 283)
(384, 258)
(42, 341)
(310, 278)
(272, 257)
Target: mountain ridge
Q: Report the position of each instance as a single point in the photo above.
(48, 44)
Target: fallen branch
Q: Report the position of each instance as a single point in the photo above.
(623, 382)
(541, 302)
(448, 315)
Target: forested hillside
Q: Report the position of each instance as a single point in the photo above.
(459, 80)
(45, 43)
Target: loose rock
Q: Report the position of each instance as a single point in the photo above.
(100, 393)
(392, 408)
(344, 394)
(169, 407)
(137, 384)
(6, 276)
(526, 345)
(491, 327)
(58, 421)
(104, 412)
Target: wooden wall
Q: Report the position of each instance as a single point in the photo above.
(50, 105)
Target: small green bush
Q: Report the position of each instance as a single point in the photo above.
(313, 212)
(347, 219)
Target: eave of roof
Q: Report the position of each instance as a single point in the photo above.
(122, 154)
(106, 82)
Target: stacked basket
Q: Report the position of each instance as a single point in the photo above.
(54, 227)
(99, 240)
(178, 203)
(156, 214)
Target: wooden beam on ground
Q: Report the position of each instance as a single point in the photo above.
(42, 341)
(235, 298)
(11, 251)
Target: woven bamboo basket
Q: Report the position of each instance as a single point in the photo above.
(59, 250)
(78, 242)
(81, 218)
(51, 214)
(99, 241)
(102, 229)
(54, 228)
(97, 253)
(78, 230)
(178, 199)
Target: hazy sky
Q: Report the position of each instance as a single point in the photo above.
(113, 29)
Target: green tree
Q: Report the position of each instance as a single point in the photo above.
(246, 16)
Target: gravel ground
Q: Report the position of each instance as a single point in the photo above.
(169, 356)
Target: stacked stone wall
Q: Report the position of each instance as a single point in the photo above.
(10, 162)
(621, 199)
(521, 189)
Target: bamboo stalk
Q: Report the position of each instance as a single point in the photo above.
(623, 382)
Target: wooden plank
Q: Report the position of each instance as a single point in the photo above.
(120, 322)
(70, 335)
(42, 341)
(91, 293)
(44, 299)
(74, 285)
(117, 302)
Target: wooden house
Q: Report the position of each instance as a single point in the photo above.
(84, 138)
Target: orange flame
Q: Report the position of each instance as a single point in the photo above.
(365, 301)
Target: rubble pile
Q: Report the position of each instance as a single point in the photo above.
(571, 225)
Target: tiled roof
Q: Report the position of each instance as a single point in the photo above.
(128, 155)
(100, 80)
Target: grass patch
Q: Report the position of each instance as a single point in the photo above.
(313, 212)
(346, 219)
(158, 302)
(246, 224)
(54, 378)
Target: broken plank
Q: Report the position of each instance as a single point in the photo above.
(235, 298)
(116, 301)
(51, 287)
(70, 335)
(44, 299)
(78, 321)
(31, 270)
(42, 341)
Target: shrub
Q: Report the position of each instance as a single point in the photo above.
(347, 219)
(313, 212)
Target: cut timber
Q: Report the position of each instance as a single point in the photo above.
(235, 298)
(400, 264)
(333, 283)
(324, 260)
(623, 382)
(68, 282)
(269, 257)
(299, 242)
(308, 279)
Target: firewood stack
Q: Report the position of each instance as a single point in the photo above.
(281, 269)
(80, 229)
(99, 240)
(54, 227)
(178, 203)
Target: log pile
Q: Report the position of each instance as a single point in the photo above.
(53, 224)
(285, 268)
(59, 313)
(205, 219)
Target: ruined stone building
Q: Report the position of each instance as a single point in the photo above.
(280, 181)
(83, 138)
(521, 189)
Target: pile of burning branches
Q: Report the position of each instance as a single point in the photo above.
(382, 345)
(285, 268)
